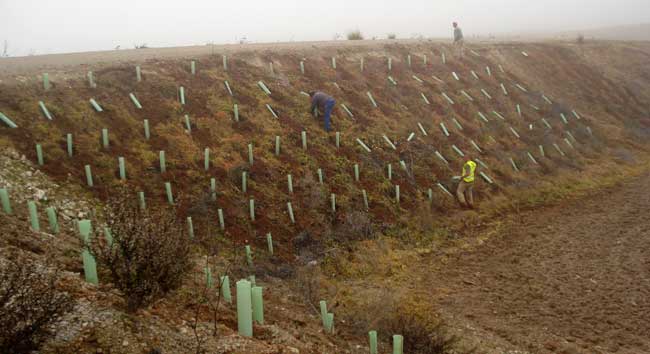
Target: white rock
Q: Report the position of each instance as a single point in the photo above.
(39, 194)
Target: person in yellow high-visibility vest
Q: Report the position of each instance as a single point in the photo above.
(466, 184)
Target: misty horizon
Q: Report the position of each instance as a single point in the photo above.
(36, 27)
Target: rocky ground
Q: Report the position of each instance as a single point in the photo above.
(99, 322)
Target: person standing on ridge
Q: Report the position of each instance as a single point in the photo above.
(325, 104)
(459, 40)
(466, 184)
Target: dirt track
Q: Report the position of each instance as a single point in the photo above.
(567, 279)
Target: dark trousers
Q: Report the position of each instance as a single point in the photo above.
(329, 106)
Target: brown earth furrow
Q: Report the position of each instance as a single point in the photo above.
(571, 278)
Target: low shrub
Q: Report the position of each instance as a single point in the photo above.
(149, 252)
(29, 303)
(355, 35)
(413, 317)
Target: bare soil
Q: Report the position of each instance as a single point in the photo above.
(570, 278)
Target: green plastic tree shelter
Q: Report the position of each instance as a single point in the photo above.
(68, 139)
(39, 154)
(122, 167)
(365, 199)
(135, 101)
(141, 201)
(244, 308)
(290, 210)
(244, 181)
(264, 88)
(398, 344)
(323, 311)
(251, 209)
(222, 223)
(108, 236)
(163, 164)
(6, 203)
(147, 133)
(337, 136)
(363, 145)
(347, 110)
(188, 124)
(190, 227)
(168, 191)
(329, 322)
(90, 267)
(277, 145)
(275, 115)
(213, 189)
(105, 141)
(33, 216)
(91, 80)
(225, 288)
(85, 229)
(303, 136)
(96, 105)
(228, 87)
(289, 183)
(89, 176)
(258, 304)
(372, 100)
(7, 121)
(206, 159)
(269, 243)
(208, 277)
(46, 81)
(51, 218)
(138, 73)
(45, 111)
(372, 336)
(249, 255)
(89, 264)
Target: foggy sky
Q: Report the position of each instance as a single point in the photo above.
(49, 26)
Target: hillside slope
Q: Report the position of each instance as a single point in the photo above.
(534, 115)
